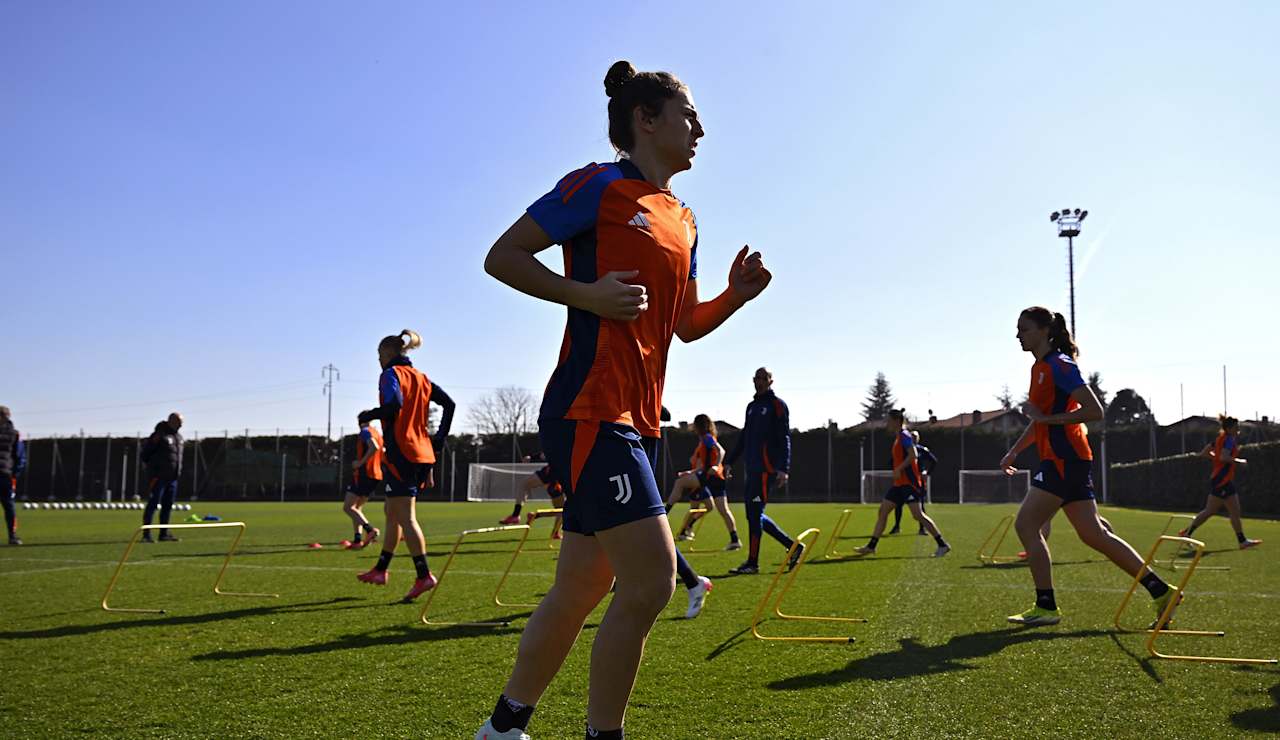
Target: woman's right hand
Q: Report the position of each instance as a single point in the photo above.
(612, 298)
(1007, 463)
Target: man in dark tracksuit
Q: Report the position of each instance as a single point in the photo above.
(13, 460)
(766, 442)
(162, 454)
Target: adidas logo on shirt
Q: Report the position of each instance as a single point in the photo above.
(1039, 477)
(640, 221)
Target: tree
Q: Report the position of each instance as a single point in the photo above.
(1005, 398)
(879, 401)
(1095, 382)
(1128, 408)
(508, 410)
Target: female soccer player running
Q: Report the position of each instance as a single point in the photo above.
(630, 251)
(540, 478)
(366, 476)
(706, 480)
(927, 461)
(1061, 403)
(906, 486)
(1222, 487)
(404, 392)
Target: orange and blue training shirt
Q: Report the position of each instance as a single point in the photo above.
(609, 218)
(706, 457)
(1224, 472)
(373, 466)
(404, 386)
(1053, 379)
(910, 475)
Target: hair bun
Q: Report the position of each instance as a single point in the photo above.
(618, 76)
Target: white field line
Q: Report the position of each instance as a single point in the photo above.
(882, 583)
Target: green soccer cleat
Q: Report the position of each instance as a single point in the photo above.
(1036, 617)
(1161, 602)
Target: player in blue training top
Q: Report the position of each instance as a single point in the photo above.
(13, 461)
(630, 286)
(766, 443)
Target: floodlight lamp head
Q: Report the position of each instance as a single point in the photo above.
(1083, 214)
(1053, 216)
(1076, 211)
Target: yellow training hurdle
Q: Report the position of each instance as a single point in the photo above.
(1174, 562)
(812, 534)
(426, 607)
(833, 544)
(1163, 620)
(217, 584)
(999, 533)
(694, 519)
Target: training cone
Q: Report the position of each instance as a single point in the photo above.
(344, 543)
(315, 546)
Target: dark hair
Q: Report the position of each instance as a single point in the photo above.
(1059, 335)
(401, 343)
(628, 89)
(898, 415)
(1228, 422)
(705, 423)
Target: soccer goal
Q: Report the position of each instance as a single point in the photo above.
(497, 481)
(876, 483)
(993, 486)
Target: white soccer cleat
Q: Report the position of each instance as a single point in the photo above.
(698, 597)
(488, 733)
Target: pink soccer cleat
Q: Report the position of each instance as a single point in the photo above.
(420, 587)
(513, 519)
(375, 577)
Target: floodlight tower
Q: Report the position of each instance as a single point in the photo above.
(1068, 221)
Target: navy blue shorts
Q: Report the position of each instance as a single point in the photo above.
(1075, 483)
(606, 471)
(1226, 490)
(362, 486)
(903, 494)
(708, 485)
(404, 478)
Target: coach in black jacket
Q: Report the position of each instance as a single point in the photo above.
(162, 454)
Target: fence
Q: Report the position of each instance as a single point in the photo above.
(1181, 482)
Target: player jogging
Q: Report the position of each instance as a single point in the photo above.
(404, 392)
(705, 480)
(630, 249)
(926, 460)
(541, 478)
(1222, 487)
(366, 476)
(1061, 403)
(906, 488)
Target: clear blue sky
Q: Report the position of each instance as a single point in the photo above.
(202, 204)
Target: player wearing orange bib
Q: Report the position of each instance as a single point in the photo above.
(907, 487)
(630, 284)
(705, 480)
(1060, 405)
(1222, 486)
(404, 392)
(366, 476)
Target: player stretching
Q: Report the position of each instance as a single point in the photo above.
(766, 442)
(366, 475)
(906, 488)
(404, 392)
(1222, 487)
(1060, 405)
(630, 251)
(705, 480)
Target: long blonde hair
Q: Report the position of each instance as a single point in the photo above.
(402, 343)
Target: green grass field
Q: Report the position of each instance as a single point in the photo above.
(332, 657)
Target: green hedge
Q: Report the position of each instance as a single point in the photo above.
(1181, 482)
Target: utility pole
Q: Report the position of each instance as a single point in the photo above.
(330, 374)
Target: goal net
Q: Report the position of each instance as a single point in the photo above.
(876, 483)
(993, 486)
(497, 481)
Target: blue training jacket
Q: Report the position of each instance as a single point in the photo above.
(766, 436)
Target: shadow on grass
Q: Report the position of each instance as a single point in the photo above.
(396, 635)
(734, 639)
(1265, 719)
(914, 659)
(1023, 564)
(73, 630)
(1144, 662)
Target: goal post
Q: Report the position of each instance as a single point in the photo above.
(994, 486)
(876, 483)
(497, 481)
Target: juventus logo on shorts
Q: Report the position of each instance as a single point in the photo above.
(624, 488)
